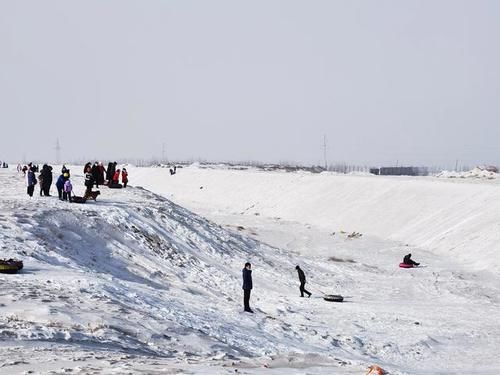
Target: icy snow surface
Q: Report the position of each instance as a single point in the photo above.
(135, 283)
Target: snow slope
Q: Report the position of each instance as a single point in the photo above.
(459, 219)
(134, 283)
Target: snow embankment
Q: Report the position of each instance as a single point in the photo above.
(449, 217)
(134, 283)
(136, 274)
(476, 173)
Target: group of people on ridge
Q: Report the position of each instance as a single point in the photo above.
(94, 175)
(113, 176)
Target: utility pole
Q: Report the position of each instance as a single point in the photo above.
(58, 152)
(163, 152)
(456, 165)
(324, 152)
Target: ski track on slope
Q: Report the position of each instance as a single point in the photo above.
(135, 278)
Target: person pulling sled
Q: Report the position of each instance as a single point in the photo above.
(302, 279)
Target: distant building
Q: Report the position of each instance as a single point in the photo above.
(400, 171)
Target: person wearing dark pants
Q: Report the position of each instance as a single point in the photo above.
(89, 182)
(247, 286)
(46, 179)
(302, 279)
(30, 181)
(60, 184)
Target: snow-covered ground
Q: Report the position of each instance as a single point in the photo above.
(135, 283)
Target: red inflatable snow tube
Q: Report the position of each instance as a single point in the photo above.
(404, 265)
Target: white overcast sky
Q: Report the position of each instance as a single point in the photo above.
(417, 82)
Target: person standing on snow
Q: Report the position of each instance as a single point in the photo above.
(30, 181)
(40, 183)
(110, 172)
(116, 177)
(95, 174)
(102, 171)
(47, 179)
(302, 279)
(68, 188)
(86, 166)
(124, 177)
(247, 286)
(60, 184)
(89, 181)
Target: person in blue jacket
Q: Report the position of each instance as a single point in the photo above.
(31, 181)
(60, 184)
(247, 286)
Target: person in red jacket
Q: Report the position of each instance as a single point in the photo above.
(116, 177)
(124, 177)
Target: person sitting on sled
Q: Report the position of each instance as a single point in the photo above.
(407, 260)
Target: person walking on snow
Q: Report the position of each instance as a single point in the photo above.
(247, 286)
(124, 177)
(302, 279)
(407, 260)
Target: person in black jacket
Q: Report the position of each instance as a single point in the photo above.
(407, 260)
(110, 172)
(302, 279)
(46, 174)
(86, 166)
(247, 286)
(89, 181)
(95, 174)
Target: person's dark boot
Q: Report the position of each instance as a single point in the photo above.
(309, 295)
(249, 311)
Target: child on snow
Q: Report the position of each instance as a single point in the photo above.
(68, 188)
(124, 177)
(116, 177)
